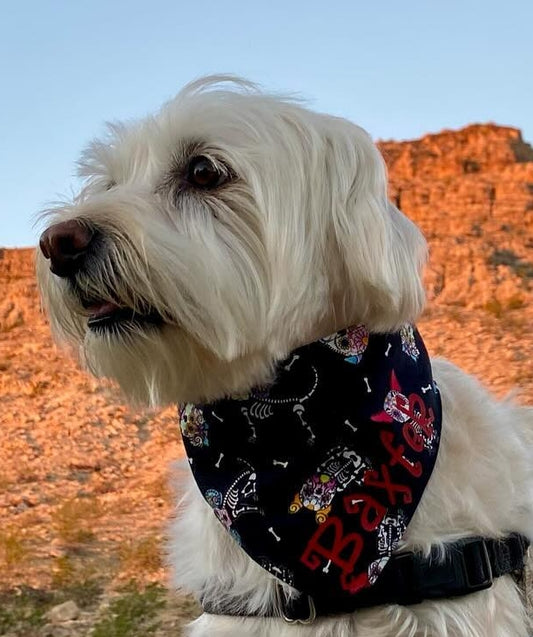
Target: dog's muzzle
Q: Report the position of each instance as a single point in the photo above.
(72, 249)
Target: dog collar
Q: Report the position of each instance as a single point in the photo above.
(468, 566)
(318, 474)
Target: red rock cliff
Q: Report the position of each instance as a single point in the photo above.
(471, 192)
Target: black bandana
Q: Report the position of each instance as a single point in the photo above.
(318, 475)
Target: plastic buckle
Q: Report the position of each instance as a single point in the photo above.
(479, 553)
(305, 620)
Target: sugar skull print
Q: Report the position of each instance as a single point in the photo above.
(193, 426)
(341, 468)
(316, 494)
(351, 343)
(408, 409)
(409, 347)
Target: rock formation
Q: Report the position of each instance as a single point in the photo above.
(471, 192)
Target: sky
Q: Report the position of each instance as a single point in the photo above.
(399, 69)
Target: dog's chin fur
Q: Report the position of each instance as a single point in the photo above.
(145, 366)
(299, 242)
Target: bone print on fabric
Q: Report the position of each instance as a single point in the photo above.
(317, 475)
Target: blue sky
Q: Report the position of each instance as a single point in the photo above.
(399, 69)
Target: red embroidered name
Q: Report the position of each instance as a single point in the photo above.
(373, 479)
(339, 549)
(397, 455)
(329, 543)
(372, 512)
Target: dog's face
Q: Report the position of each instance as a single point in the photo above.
(216, 236)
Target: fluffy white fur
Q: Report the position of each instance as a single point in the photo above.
(300, 242)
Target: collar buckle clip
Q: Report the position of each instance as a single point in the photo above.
(476, 565)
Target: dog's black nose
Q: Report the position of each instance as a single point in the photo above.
(66, 245)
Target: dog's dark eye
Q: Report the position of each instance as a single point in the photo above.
(204, 173)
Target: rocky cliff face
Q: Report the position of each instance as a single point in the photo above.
(471, 192)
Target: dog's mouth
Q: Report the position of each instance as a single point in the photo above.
(107, 316)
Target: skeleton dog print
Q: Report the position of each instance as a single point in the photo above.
(318, 475)
(341, 467)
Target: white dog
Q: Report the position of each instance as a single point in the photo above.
(211, 241)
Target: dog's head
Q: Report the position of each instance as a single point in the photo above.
(216, 236)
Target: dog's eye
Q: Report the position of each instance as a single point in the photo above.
(204, 173)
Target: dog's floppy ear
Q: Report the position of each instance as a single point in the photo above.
(380, 252)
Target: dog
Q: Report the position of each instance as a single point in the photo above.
(211, 244)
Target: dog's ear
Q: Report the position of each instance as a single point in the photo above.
(380, 251)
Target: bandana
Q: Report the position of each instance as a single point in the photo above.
(318, 474)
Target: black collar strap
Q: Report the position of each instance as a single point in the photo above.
(470, 565)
